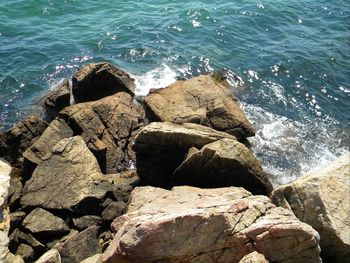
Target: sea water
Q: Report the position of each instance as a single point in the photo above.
(293, 57)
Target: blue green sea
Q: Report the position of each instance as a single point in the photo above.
(293, 56)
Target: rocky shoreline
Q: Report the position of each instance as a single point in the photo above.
(109, 177)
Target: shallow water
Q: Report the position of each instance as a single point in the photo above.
(292, 55)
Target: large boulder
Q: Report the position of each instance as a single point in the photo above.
(5, 170)
(225, 162)
(97, 80)
(161, 147)
(322, 200)
(16, 140)
(65, 179)
(201, 100)
(107, 126)
(208, 225)
(57, 99)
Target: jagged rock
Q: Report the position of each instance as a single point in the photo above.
(16, 218)
(16, 140)
(17, 237)
(11, 258)
(51, 256)
(5, 170)
(199, 100)
(113, 210)
(16, 186)
(56, 131)
(225, 162)
(26, 252)
(321, 199)
(84, 222)
(94, 259)
(97, 80)
(57, 241)
(107, 126)
(40, 221)
(161, 147)
(57, 99)
(208, 225)
(81, 246)
(254, 257)
(65, 180)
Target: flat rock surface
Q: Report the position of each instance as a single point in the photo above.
(161, 147)
(322, 200)
(225, 162)
(199, 100)
(42, 221)
(65, 179)
(190, 224)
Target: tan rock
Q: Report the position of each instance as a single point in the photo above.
(51, 256)
(199, 100)
(208, 225)
(254, 257)
(322, 200)
(5, 170)
(161, 147)
(225, 162)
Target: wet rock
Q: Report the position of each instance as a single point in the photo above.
(56, 131)
(107, 126)
(113, 210)
(199, 100)
(321, 199)
(208, 225)
(97, 80)
(57, 99)
(65, 180)
(81, 246)
(26, 252)
(254, 257)
(161, 147)
(40, 221)
(5, 170)
(51, 256)
(16, 140)
(222, 163)
(84, 222)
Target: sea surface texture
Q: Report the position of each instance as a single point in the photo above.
(293, 57)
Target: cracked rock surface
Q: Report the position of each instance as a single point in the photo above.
(190, 224)
(322, 200)
(199, 100)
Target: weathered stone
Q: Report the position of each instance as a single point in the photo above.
(40, 221)
(223, 163)
(56, 131)
(208, 225)
(94, 259)
(17, 237)
(161, 147)
(113, 210)
(81, 246)
(5, 170)
(321, 199)
(11, 258)
(16, 140)
(107, 126)
(16, 218)
(51, 256)
(15, 190)
(199, 100)
(57, 99)
(59, 241)
(65, 180)
(254, 257)
(84, 222)
(97, 80)
(26, 252)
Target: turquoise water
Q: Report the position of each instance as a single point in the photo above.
(292, 55)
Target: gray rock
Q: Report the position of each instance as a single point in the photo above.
(17, 237)
(81, 246)
(26, 252)
(40, 221)
(161, 147)
(113, 210)
(17, 218)
(65, 179)
(97, 80)
(51, 256)
(84, 222)
(223, 163)
(199, 100)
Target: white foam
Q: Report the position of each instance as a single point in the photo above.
(159, 77)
